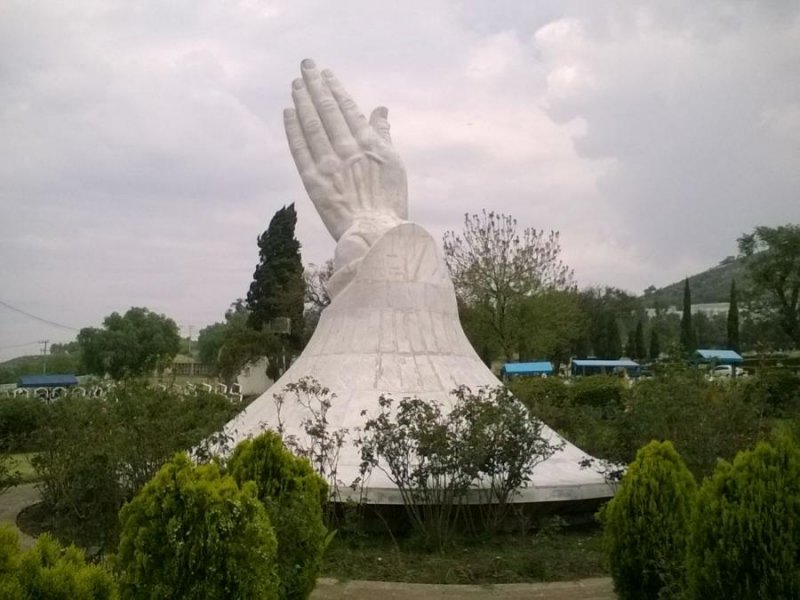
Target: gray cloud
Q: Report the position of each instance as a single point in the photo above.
(144, 152)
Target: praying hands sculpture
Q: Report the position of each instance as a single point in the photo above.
(349, 168)
(392, 327)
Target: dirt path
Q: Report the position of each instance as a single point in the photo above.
(16, 499)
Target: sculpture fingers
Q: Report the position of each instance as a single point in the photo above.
(297, 144)
(312, 128)
(328, 109)
(355, 119)
(380, 123)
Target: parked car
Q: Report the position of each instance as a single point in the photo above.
(727, 371)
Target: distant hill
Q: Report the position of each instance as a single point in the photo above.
(12, 370)
(713, 285)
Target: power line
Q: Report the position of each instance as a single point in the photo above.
(18, 345)
(37, 318)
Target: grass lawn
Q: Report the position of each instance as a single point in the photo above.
(22, 464)
(551, 555)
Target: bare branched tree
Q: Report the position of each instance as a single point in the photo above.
(494, 264)
(316, 297)
(317, 278)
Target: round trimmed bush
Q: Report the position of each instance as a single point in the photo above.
(647, 521)
(745, 542)
(292, 493)
(193, 533)
(48, 572)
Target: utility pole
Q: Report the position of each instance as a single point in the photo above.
(44, 354)
(191, 364)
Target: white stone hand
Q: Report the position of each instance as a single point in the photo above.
(350, 170)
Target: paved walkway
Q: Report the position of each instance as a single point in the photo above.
(12, 502)
(585, 589)
(18, 498)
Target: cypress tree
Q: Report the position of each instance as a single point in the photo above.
(688, 335)
(614, 347)
(655, 347)
(744, 542)
(733, 319)
(647, 524)
(278, 287)
(630, 345)
(638, 342)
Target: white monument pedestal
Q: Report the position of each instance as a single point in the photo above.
(393, 329)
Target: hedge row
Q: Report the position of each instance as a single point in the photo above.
(705, 420)
(737, 537)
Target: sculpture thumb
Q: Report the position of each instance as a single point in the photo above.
(380, 123)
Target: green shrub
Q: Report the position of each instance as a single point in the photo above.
(46, 572)
(593, 422)
(745, 541)
(646, 524)
(545, 391)
(20, 420)
(192, 533)
(436, 456)
(98, 452)
(77, 466)
(600, 391)
(781, 392)
(291, 492)
(705, 420)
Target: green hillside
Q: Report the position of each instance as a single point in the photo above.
(713, 285)
(12, 370)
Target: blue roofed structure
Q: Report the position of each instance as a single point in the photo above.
(522, 369)
(46, 381)
(593, 366)
(720, 357)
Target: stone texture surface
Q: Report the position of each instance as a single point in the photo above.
(394, 329)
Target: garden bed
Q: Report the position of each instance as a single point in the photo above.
(551, 554)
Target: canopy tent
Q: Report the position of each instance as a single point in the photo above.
(538, 368)
(47, 381)
(720, 357)
(591, 366)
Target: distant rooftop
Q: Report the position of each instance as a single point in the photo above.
(608, 364)
(720, 356)
(54, 380)
(528, 368)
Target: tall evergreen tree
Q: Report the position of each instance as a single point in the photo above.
(655, 346)
(733, 319)
(630, 345)
(278, 287)
(639, 349)
(688, 334)
(613, 340)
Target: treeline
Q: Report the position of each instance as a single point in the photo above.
(518, 300)
(710, 286)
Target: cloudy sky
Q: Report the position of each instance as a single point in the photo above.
(143, 149)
